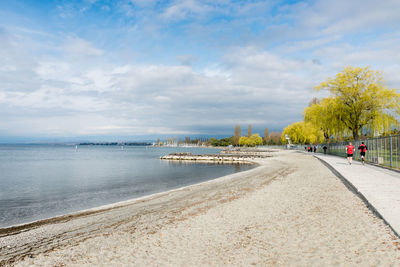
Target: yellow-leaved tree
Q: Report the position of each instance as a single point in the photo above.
(302, 133)
(252, 141)
(359, 101)
(325, 116)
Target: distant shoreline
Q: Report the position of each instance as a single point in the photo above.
(115, 144)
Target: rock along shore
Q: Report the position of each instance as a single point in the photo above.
(226, 156)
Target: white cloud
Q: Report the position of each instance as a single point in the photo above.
(344, 17)
(264, 79)
(249, 86)
(157, 96)
(187, 60)
(183, 8)
(162, 99)
(52, 70)
(79, 47)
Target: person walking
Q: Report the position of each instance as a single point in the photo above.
(349, 151)
(363, 148)
(325, 148)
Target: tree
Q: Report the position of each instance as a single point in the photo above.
(187, 140)
(243, 141)
(253, 140)
(266, 134)
(314, 101)
(237, 135)
(325, 115)
(221, 142)
(249, 130)
(274, 138)
(362, 101)
(302, 133)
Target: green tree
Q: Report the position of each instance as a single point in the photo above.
(361, 101)
(221, 142)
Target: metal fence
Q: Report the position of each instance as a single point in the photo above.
(382, 150)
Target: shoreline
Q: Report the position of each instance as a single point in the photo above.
(276, 214)
(13, 229)
(80, 226)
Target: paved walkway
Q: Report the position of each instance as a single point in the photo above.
(379, 187)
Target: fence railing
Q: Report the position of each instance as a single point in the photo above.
(383, 151)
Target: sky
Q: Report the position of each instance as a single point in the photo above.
(137, 68)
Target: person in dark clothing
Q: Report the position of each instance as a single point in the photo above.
(324, 148)
(363, 148)
(315, 149)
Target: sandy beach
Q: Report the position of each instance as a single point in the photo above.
(289, 211)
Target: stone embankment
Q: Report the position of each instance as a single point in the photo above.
(212, 158)
(247, 151)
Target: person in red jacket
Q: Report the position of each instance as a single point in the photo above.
(363, 148)
(349, 151)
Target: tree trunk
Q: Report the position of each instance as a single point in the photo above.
(355, 133)
(326, 136)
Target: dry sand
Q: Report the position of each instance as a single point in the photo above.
(290, 211)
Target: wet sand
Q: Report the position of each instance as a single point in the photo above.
(289, 211)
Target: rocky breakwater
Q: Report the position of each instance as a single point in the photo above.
(235, 158)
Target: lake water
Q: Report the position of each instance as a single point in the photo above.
(43, 181)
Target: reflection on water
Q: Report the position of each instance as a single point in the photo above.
(237, 167)
(38, 182)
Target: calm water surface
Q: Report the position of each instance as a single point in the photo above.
(38, 181)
